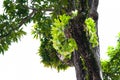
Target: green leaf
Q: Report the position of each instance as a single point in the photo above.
(91, 30)
(64, 46)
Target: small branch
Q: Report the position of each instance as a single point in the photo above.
(26, 18)
(47, 9)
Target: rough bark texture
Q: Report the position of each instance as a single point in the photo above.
(90, 55)
(80, 71)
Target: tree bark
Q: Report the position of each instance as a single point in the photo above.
(89, 54)
(86, 56)
(77, 62)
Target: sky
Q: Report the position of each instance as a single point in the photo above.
(21, 62)
(109, 15)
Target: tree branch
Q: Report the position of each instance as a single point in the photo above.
(20, 24)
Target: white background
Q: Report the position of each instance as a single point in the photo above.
(21, 62)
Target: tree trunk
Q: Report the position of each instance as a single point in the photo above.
(89, 54)
(77, 62)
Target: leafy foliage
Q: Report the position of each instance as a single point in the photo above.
(63, 45)
(10, 23)
(42, 30)
(91, 31)
(20, 12)
(49, 57)
(111, 67)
